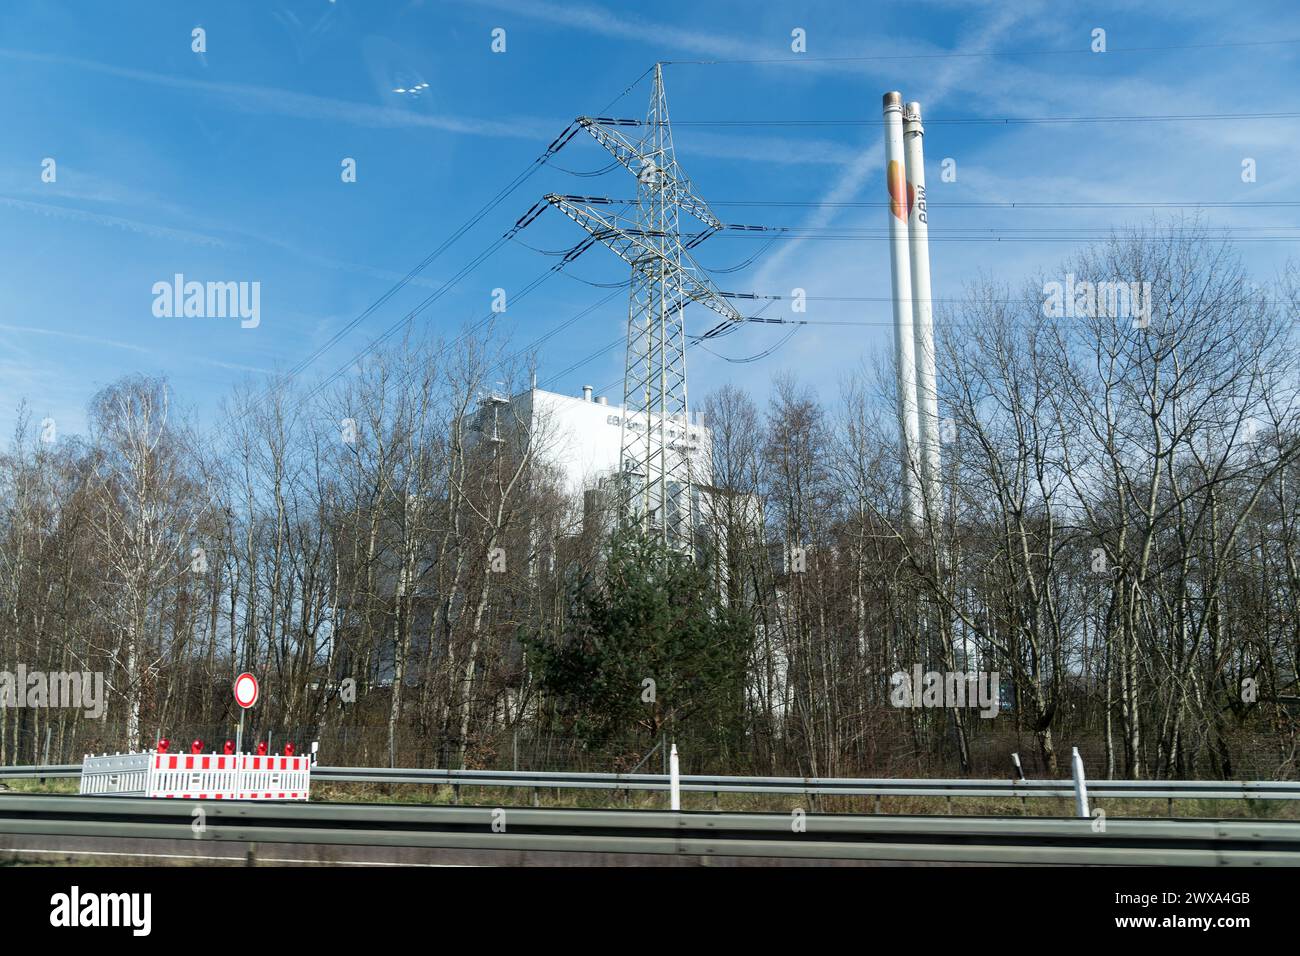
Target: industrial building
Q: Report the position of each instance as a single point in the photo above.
(579, 438)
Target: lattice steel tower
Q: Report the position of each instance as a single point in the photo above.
(657, 445)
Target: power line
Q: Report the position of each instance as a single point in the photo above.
(1005, 120)
(751, 358)
(947, 300)
(1086, 232)
(555, 145)
(975, 204)
(541, 340)
(848, 298)
(583, 361)
(744, 264)
(622, 284)
(587, 174)
(816, 237)
(1006, 204)
(429, 300)
(803, 58)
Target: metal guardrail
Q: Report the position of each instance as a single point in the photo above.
(821, 836)
(27, 771)
(823, 786)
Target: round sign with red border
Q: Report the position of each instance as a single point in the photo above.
(246, 690)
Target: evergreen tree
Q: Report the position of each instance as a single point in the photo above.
(650, 647)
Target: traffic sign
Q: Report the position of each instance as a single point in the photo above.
(246, 690)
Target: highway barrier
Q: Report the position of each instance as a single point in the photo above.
(862, 837)
(808, 786)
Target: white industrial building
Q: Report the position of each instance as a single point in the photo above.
(580, 437)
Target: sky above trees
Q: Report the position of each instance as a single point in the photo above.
(229, 165)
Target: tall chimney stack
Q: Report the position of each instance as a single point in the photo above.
(918, 228)
(904, 338)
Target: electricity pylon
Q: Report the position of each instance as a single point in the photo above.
(657, 448)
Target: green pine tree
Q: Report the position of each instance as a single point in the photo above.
(650, 648)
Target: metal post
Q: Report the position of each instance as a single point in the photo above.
(674, 779)
(45, 760)
(1015, 759)
(904, 340)
(239, 762)
(1080, 785)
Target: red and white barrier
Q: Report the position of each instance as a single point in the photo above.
(198, 776)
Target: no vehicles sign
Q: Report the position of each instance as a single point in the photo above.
(246, 690)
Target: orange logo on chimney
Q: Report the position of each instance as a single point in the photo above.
(900, 191)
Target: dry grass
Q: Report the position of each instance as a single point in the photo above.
(51, 785)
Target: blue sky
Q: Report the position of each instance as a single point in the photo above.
(225, 165)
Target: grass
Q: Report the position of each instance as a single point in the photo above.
(51, 785)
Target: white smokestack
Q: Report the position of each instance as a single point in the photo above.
(901, 275)
(586, 393)
(918, 228)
